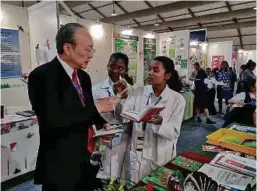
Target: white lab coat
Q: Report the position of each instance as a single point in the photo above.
(114, 155)
(159, 140)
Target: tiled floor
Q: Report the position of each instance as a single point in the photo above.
(192, 135)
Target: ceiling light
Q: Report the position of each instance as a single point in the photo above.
(113, 11)
(240, 51)
(255, 8)
(96, 30)
(149, 35)
(114, 14)
(203, 44)
(194, 43)
(127, 32)
(156, 24)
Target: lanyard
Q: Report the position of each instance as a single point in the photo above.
(147, 103)
(109, 95)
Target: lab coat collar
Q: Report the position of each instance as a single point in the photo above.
(107, 84)
(150, 91)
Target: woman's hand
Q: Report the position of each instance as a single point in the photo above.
(156, 119)
(121, 87)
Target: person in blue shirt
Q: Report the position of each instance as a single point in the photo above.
(226, 91)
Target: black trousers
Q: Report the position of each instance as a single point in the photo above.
(211, 100)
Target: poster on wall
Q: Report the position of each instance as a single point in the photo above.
(198, 52)
(128, 45)
(164, 48)
(10, 54)
(216, 61)
(174, 48)
(200, 55)
(149, 55)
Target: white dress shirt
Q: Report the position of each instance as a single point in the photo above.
(69, 70)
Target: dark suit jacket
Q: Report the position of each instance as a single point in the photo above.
(63, 125)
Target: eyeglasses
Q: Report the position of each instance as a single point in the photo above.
(91, 50)
(87, 49)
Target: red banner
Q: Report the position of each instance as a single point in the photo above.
(216, 61)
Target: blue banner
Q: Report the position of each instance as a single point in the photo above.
(10, 54)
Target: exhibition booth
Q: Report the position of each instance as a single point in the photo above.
(29, 37)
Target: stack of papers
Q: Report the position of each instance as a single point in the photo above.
(226, 177)
(235, 163)
(115, 129)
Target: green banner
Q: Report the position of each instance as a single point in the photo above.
(149, 55)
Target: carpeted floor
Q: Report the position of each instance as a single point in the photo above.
(192, 135)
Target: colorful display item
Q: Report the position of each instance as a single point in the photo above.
(234, 140)
(187, 163)
(159, 177)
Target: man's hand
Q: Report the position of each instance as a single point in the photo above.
(156, 119)
(107, 104)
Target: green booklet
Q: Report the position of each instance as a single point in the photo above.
(186, 163)
(159, 178)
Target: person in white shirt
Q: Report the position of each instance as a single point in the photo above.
(153, 143)
(112, 86)
(211, 85)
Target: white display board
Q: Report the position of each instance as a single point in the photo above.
(220, 49)
(16, 97)
(175, 45)
(43, 29)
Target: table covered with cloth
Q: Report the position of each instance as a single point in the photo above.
(189, 98)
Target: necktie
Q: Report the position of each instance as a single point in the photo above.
(75, 81)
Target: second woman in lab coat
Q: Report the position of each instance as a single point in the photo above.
(117, 70)
(153, 143)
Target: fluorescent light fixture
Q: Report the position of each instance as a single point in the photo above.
(255, 8)
(194, 43)
(240, 51)
(97, 31)
(149, 35)
(113, 10)
(203, 44)
(127, 31)
(156, 24)
(114, 14)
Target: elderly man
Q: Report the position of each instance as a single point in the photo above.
(60, 94)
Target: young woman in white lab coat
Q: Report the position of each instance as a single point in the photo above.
(153, 143)
(114, 154)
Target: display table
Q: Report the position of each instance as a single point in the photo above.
(189, 97)
(19, 145)
(190, 155)
(203, 157)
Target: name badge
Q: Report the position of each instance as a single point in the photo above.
(117, 139)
